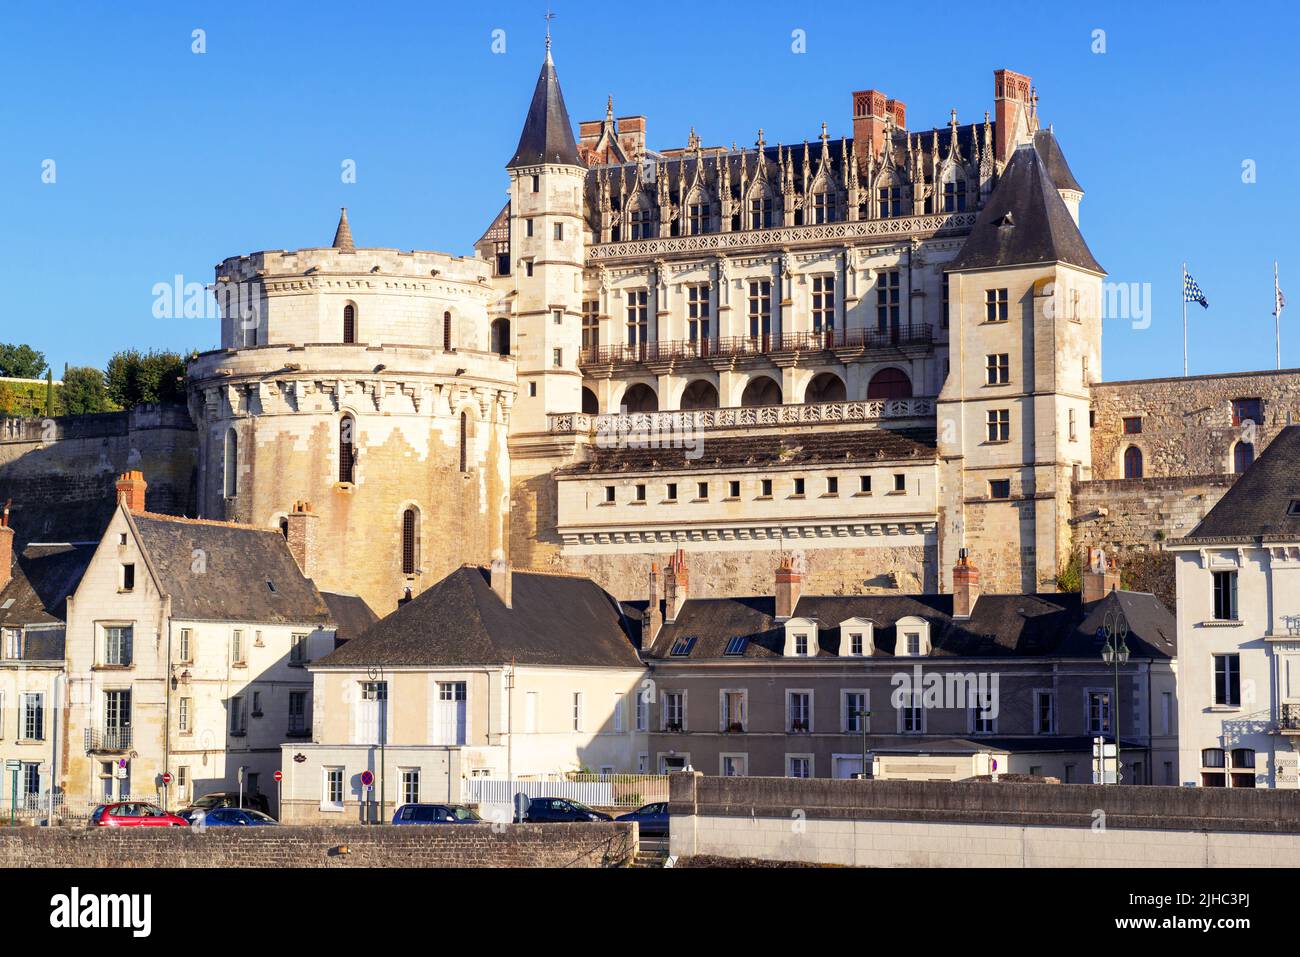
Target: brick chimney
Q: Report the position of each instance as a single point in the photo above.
(631, 135)
(6, 547)
(965, 586)
(1101, 577)
(300, 532)
(677, 586)
(1011, 98)
(654, 618)
(872, 113)
(501, 580)
(789, 586)
(131, 487)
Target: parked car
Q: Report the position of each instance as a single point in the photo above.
(134, 814)
(653, 818)
(545, 810)
(228, 816)
(255, 802)
(436, 814)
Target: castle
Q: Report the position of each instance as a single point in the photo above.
(873, 351)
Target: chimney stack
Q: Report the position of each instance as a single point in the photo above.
(1101, 577)
(1012, 94)
(789, 585)
(131, 487)
(300, 532)
(654, 619)
(677, 586)
(873, 114)
(501, 580)
(6, 547)
(965, 586)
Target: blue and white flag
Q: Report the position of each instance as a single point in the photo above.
(1192, 292)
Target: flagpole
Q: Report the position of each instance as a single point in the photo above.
(1277, 315)
(1183, 294)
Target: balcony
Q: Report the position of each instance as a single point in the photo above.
(1288, 718)
(108, 741)
(861, 340)
(743, 417)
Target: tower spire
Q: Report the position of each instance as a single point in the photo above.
(547, 137)
(343, 234)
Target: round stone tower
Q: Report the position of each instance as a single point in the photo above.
(361, 382)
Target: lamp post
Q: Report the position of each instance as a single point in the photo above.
(862, 716)
(1115, 653)
(376, 676)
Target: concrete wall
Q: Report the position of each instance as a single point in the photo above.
(523, 845)
(933, 824)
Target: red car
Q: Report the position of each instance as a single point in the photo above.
(134, 814)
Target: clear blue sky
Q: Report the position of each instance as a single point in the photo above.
(168, 161)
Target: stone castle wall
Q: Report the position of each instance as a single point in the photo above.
(60, 472)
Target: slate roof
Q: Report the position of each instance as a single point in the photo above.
(548, 134)
(766, 450)
(231, 582)
(1025, 221)
(350, 613)
(43, 578)
(1044, 625)
(1265, 502)
(1050, 150)
(553, 620)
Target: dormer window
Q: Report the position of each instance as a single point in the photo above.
(801, 646)
(857, 638)
(913, 639)
(801, 638)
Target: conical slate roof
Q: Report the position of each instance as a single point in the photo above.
(343, 235)
(1025, 222)
(548, 134)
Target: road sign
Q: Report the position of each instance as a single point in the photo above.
(995, 764)
(279, 775)
(167, 777)
(121, 762)
(367, 778)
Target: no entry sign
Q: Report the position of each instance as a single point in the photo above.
(167, 777)
(367, 778)
(279, 775)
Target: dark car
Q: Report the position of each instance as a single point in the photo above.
(228, 817)
(546, 810)
(133, 814)
(255, 802)
(653, 818)
(435, 814)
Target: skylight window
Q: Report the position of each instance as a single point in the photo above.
(271, 585)
(1294, 508)
(737, 645)
(684, 646)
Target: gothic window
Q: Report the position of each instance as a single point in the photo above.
(232, 464)
(760, 211)
(954, 194)
(640, 222)
(890, 200)
(698, 217)
(410, 541)
(464, 442)
(446, 332)
(823, 207)
(347, 449)
(1132, 462)
(349, 323)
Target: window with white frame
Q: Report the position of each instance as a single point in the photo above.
(911, 716)
(31, 713)
(1227, 680)
(697, 312)
(410, 785)
(451, 718)
(643, 710)
(117, 645)
(857, 713)
(760, 308)
(185, 715)
(637, 316)
(237, 649)
(798, 766)
(1099, 712)
(13, 643)
(577, 711)
(186, 648)
(238, 717)
(673, 710)
(798, 710)
(734, 707)
(823, 303)
(733, 765)
(298, 650)
(1225, 596)
(297, 712)
(372, 713)
(1044, 712)
(619, 723)
(980, 721)
(332, 791)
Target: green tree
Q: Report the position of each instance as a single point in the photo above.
(20, 361)
(133, 377)
(84, 391)
(1071, 576)
(49, 393)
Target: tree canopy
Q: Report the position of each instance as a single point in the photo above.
(20, 361)
(135, 377)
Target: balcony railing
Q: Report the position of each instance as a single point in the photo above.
(784, 343)
(1288, 718)
(108, 740)
(617, 424)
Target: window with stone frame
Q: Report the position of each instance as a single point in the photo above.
(823, 303)
(638, 322)
(996, 305)
(697, 312)
(998, 423)
(889, 201)
(997, 368)
(590, 325)
(760, 308)
(888, 301)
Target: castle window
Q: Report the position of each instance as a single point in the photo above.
(446, 332)
(590, 327)
(537, 183)
(464, 442)
(528, 227)
(349, 323)
(864, 484)
(637, 316)
(699, 218)
(1133, 425)
(891, 201)
(609, 495)
(1243, 454)
(501, 337)
(823, 207)
(1074, 429)
(557, 317)
(999, 488)
(823, 303)
(559, 230)
(943, 313)
(557, 358)
(503, 259)
(995, 305)
(760, 308)
(999, 425)
(765, 488)
(1132, 462)
(888, 303)
(798, 486)
(954, 197)
(900, 482)
(640, 219)
(697, 312)
(1246, 410)
(232, 464)
(760, 213)
(528, 268)
(997, 369)
(347, 450)
(410, 541)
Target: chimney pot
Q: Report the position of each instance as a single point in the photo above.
(300, 533)
(965, 586)
(131, 488)
(1100, 578)
(6, 548)
(501, 580)
(789, 586)
(677, 585)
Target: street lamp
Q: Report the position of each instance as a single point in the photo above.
(376, 676)
(1115, 653)
(862, 716)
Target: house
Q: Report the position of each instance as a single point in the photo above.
(186, 652)
(34, 586)
(1238, 580)
(490, 673)
(930, 686)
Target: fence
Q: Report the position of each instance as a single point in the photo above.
(595, 790)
